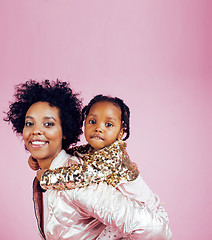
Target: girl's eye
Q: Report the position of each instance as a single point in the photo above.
(92, 121)
(109, 125)
(48, 124)
(29, 124)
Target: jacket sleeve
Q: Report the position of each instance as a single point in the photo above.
(62, 178)
(81, 175)
(77, 176)
(132, 218)
(141, 192)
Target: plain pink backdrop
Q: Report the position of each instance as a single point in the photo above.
(156, 55)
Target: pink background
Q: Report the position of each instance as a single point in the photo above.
(156, 55)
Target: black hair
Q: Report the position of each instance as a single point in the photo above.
(56, 93)
(125, 112)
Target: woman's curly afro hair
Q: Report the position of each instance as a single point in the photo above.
(56, 93)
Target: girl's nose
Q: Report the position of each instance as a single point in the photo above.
(98, 129)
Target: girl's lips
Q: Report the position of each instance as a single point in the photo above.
(97, 137)
(38, 144)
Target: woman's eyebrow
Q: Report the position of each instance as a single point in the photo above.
(47, 117)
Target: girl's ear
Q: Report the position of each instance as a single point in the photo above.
(121, 133)
(64, 137)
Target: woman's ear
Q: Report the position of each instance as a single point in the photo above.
(64, 137)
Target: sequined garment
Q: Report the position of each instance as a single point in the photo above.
(110, 164)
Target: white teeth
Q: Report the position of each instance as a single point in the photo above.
(38, 142)
(97, 138)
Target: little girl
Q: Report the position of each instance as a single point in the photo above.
(104, 159)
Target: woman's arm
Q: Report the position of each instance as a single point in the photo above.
(132, 218)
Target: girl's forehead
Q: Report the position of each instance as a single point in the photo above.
(104, 104)
(106, 108)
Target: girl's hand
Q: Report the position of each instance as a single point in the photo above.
(33, 163)
(39, 174)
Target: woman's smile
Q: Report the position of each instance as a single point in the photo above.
(38, 143)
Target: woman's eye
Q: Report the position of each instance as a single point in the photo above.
(109, 125)
(48, 124)
(28, 124)
(92, 121)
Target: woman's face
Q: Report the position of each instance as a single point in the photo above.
(42, 132)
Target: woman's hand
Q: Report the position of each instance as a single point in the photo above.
(33, 163)
(39, 174)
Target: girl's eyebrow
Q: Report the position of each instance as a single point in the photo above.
(111, 118)
(29, 117)
(92, 115)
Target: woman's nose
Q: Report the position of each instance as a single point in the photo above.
(37, 130)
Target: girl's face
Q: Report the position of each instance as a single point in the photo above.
(103, 125)
(42, 132)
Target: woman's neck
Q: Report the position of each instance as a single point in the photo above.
(44, 163)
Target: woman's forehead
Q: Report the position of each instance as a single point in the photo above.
(43, 109)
